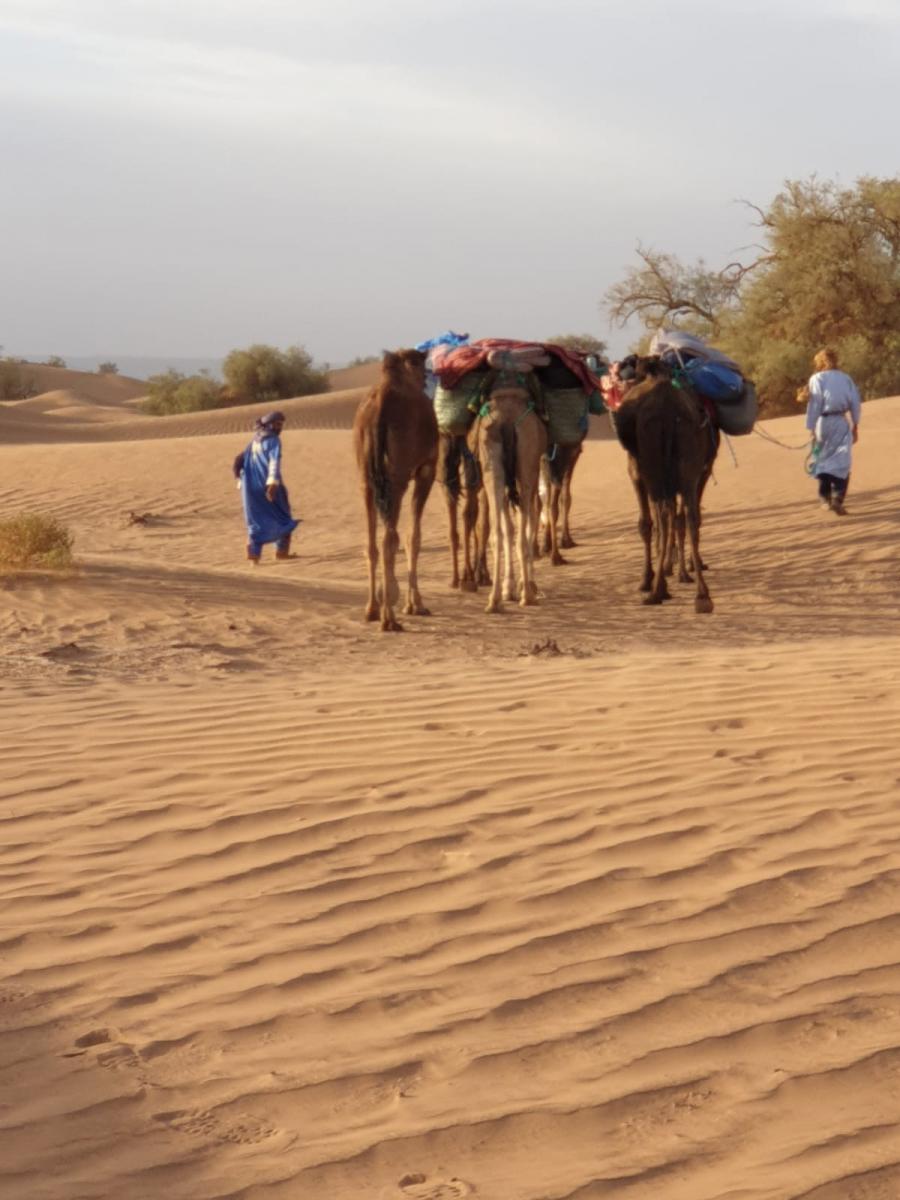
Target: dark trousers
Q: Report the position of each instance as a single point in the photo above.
(830, 485)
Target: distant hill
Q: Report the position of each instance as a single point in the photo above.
(136, 366)
(143, 366)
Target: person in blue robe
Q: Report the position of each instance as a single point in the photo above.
(832, 416)
(267, 509)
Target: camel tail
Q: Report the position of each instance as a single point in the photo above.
(659, 460)
(379, 478)
(510, 446)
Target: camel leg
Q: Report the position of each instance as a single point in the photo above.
(702, 601)
(372, 613)
(703, 482)
(448, 474)
(422, 484)
(470, 580)
(453, 524)
(524, 544)
(683, 571)
(555, 557)
(567, 541)
(645, 526)
(496, 499)
(389, 545)
(509, 537)
(542, 538)
(483, 575)
(664, 512)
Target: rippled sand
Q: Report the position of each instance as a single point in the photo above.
(591, 900)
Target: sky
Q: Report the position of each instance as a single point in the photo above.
(182, 177)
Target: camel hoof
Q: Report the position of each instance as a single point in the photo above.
(455, 584)
(468, 585)
(391, 625)
(372, 614)
(417, 610)
(493, 606)
(568, 543)
(684, 577)
(653, 599)
(559, 561)
(703, 604)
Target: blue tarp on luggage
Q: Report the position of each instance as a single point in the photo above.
(715, 381)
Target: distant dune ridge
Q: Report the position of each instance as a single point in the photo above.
(585, 901)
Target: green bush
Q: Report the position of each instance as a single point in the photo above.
(172, 392)
(584, 343)
(34, 540)
(107, 368)
(262, 373)
(15, 384)
(55, 361)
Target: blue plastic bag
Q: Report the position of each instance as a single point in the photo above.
(444, 339)
(715, 381)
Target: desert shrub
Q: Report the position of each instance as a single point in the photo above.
(262, 373)
(15, 384)
(34, 540)
(585, 343)
(173, 392)
(55, 361)
(363, 360)
(107, 368)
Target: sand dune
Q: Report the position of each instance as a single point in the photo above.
(584, 901)
(85, 387)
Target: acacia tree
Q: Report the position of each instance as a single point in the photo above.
(663, 291)
(827, 271)
(832, 277)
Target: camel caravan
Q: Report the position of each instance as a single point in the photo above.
(501, 425)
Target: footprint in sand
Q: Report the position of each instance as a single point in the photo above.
(238, 1129)
(734, 723)
(420, 1187)
(97, 1037)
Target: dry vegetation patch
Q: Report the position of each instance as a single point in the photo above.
(34, 540)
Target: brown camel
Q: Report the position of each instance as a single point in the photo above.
(460, 477)
(508, 439)
(396, 440)
(671, 445)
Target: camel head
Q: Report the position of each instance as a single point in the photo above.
(404, 366)
(648, 366)
(414, 364)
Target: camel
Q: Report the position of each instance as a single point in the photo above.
(395, 436)
(508, 439)
(460, 476)
(671, 444)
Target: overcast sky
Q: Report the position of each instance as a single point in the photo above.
(180, 177)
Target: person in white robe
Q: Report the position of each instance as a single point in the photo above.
(832, 417)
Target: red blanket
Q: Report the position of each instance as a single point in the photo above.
(451, 363)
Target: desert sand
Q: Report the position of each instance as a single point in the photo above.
(590, 900)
